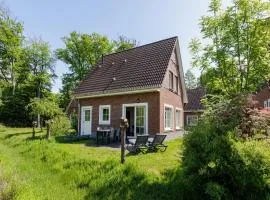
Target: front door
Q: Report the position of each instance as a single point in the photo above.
(86, 120)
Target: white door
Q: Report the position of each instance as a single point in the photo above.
(140, 117)
(140, 120)
(86, 120)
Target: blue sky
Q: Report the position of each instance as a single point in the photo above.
(144, 20)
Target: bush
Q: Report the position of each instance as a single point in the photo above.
(60, 125)
(218, 163)
(217, 166)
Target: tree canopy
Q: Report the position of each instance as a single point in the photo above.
(190, 80)
(234, 53)
(81, 53)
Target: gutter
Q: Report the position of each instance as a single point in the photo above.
(115, 93)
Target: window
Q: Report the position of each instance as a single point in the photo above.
(177, 118)
(176, 84)
(140, 120)
(267, 103)
(192, 120)
(87, 115)
(170, 80)
(104, 114)
(168, 117)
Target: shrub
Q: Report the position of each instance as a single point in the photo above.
(60, 125)
(218, 166)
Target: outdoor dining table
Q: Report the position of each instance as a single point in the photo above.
(103, 133)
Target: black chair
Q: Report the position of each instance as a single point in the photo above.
(138, 144)
(157, 143)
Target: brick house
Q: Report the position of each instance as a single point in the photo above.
(263, 97)
(145, 84)
(194, 108)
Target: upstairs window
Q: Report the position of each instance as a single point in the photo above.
(176, 84)
(170, 80)
(104, 114)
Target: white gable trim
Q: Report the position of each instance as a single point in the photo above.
(179, 59)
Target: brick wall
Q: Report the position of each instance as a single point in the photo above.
(263, 95)
(170, 97)
(116, 102)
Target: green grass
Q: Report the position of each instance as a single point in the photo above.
(40, 169)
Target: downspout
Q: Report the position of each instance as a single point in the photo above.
(79, 118)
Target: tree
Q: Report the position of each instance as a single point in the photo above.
(235, 56)
(190, 80)
(124, 43)
(11, 37)
(55, 118)
(81, 53)
(40, 62)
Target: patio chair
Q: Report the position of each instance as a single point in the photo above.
(157, 143)
(138, 144)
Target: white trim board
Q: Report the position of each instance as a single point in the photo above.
(88, 95)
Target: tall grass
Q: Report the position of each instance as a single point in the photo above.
(78, 170)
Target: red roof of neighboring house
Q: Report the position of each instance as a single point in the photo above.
(194, 99)
(140, 67)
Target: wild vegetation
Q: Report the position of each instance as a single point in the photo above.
(226, 156)
(77, 169)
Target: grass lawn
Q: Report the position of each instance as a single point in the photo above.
(40, 169)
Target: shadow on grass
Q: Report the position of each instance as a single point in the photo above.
(8, 136)
(128, 183)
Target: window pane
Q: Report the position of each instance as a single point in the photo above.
(140, 120)
(170, 80)
(87, 115)
(168, 117)
(176, 84)
(105, 114)
(177, 119)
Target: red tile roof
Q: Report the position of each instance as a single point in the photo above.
(140, 67)
(194, 99)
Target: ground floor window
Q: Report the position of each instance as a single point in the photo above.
(104, 114)
(192, 120)
(168, 117)
(267, 103)
(177, 118)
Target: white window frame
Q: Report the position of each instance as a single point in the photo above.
(171, 81)
(101, 121)
(180, 122)
(124, 106)
(197, 118)
(172, 117)
(266, 103)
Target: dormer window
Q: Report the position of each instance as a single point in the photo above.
(170, 80)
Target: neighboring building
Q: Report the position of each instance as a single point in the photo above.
(263, 97)
(145, 84)
(194, 108)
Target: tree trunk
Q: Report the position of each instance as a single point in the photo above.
(34, 132)
(48, 130)
(13, 80)
(123, 142)
(38, 117)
